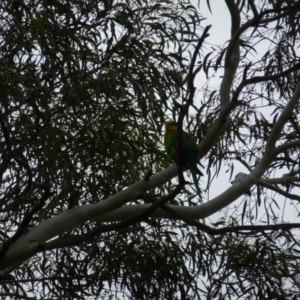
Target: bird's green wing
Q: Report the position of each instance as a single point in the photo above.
(171, 144)
(190, 148)
(190, 153)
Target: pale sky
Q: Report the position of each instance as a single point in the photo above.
(219, 35)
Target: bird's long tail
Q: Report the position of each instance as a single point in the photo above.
(196, 182)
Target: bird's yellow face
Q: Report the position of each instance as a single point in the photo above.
(170, 126)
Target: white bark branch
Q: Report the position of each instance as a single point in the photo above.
(113, 208)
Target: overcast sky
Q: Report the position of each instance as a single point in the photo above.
(219, 35)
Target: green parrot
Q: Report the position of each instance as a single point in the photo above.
(190, 150)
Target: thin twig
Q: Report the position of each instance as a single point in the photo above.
(189, 101)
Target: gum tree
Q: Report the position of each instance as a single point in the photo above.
(91, 205)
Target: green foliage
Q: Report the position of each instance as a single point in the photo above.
(85, 88)
(78, 82)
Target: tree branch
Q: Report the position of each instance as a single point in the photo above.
(75, 240)
(288, 10)
(253, 7)
(231, 51)
(259, 79)
(278, 190)
(287, 146)
(24, 224)
(185, 108)
(232, 56)
(283, 118)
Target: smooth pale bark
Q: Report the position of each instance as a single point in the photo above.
(114, 208)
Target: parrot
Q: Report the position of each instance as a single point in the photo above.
(190, 151)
